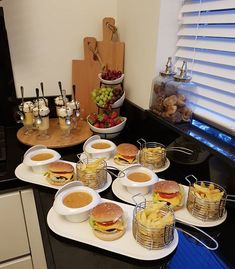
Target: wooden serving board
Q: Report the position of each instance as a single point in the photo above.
(85, 72)
(56, 140)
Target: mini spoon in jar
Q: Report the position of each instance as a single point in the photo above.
(61, 91)
(67, 119)
(43, 96)
(38, 118)
(77, 113)
(21, 113)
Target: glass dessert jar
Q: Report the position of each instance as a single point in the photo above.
(75, 106)
(27, 116)
(64, 115)
(44, 122)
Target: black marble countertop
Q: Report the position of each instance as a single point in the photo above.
(65, 253)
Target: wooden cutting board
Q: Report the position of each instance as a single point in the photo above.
(85, 72)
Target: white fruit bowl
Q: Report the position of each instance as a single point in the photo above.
(109, 132)
(119, 102)
(111, 82)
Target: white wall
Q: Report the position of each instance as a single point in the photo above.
(44, 36)
(149, 30)
(138, 25)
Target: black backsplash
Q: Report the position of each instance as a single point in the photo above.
(7, 86)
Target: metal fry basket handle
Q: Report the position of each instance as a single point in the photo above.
(232, 199)
(120, 173)
(141, 141)
(194, 237)
(187, 178)
(140, 196)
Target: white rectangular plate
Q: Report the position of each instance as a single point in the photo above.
(182, 214)
(126, 245)
(25, 173)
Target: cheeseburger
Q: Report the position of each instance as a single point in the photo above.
(169, 191)
(126, 154)
(59, 173)
(106, 220)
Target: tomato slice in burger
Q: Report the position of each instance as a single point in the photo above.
(167, 195)
(107, 223)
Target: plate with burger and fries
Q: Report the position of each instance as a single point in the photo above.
(176, 195)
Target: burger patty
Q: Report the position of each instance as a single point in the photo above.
(59, 177)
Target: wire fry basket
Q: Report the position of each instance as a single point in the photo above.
(92, 173)
(152, 154)
(158, 234)
(206, 208)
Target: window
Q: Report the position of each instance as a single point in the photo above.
(206, 40)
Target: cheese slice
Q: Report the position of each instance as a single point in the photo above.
(175, 201)
(119, 225)
(130, 160)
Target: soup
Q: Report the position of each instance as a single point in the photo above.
(77, 199)
(101, 146)
(42, 156)
(139, 177)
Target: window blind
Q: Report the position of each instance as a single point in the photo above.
(206, 40)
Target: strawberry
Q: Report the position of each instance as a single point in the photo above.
(118, 120)
(114, 114)
(97, 125)
(105, 117)
(101, 125)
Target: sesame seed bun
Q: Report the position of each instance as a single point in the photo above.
(167, 186)
(60, 167)
(107, 211)
(127, 149)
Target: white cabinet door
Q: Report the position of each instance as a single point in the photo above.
(13, 234)
(34, 234)
(22, 263)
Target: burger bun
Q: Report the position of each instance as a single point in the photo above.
(108, 236)
(59, 173)
(168, 186)
(106, 211)
(126, 154)
(60, 166)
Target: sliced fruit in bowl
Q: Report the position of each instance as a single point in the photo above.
(106, 125)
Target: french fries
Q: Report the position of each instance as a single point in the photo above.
(153, 217)
(153, 225)
(92, 173)
(206, 201)
(153, 156)
(210, 192)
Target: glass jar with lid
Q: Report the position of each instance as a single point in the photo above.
(158, 88)
(176, 105)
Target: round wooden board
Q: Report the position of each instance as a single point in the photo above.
(56, 140)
